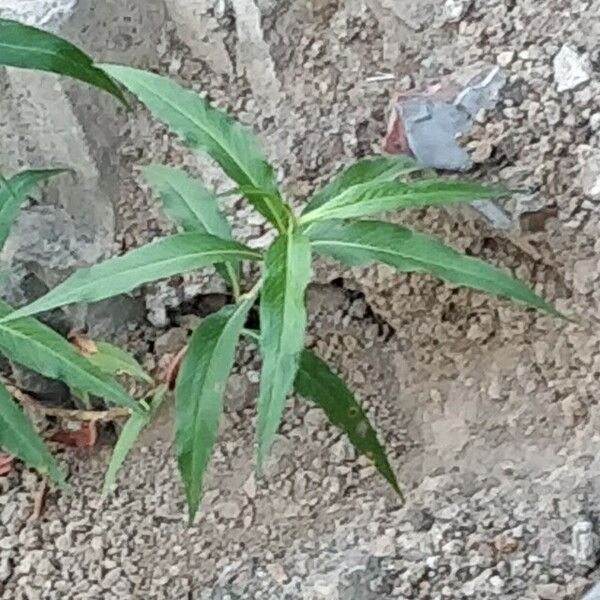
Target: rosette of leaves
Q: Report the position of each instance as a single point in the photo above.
(337, 222)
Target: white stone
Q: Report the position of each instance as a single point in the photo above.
(584, 274)
(584, 542)
(36, 12)
(571, 69)
(504, 59)
(454, 10)
(277, 572)
(590, 175)
(383, 546)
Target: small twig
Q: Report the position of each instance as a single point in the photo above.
(39, 499)
(69, 414)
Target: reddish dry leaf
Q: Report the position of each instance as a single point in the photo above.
(83, 437)
(84, 344)
(6, 464)
(395, 141)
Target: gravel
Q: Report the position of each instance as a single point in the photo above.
(489, 411)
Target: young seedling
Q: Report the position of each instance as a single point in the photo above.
(332, 224)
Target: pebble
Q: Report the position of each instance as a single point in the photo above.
(171, 341)
(571, 69)
(6, 569)
(229, 509)
(549, 591)
(584, 542)
(506, 58)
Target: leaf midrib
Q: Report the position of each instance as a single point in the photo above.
(281, 335)
(393, 253)
(245, 254)
(206, 130)
(49, 350)
(195, 455)
(52, 54)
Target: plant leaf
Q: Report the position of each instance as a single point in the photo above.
(192, 205)
(199, 393)
(14, 193)
(206, 128)
(369, 198)
(283, 324)
(369, 169)
(18, 436)
(32, 344)
(316, 382)
(128, 437)
(363, 242)
(159, 259)
(186, 201)
(31, 48)
(113, 360)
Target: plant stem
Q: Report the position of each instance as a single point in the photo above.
(235, 284)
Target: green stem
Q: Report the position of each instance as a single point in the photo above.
(233, 280)
(252, 334)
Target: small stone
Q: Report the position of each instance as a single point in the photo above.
(5, 569)
(595, 121)
(454, 10)
(504, 59)
(571, 69)
(45, 567)
(276, 571)
(171, 342)
(585, 273)
(383, 546)
(590, 174)
(229, 509)
(250, 486)
(496, 582)
(432, 562)
(573, 410)
(189, 322)
(584, 542)
(111, 578)
(549, 591)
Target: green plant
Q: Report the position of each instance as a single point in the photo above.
(34, 345)
(332, 224)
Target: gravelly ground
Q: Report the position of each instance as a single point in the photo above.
(490, 412)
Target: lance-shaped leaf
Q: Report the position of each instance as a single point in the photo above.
(18, 436)
(186, 201)
(369, 169)
(14, 192)
(377, 197)
(115, 361)
(363, 242)
(31, 48)
(318, 383)
(199, 393)
(34, 345)
(205, 128)
(191, 205)
(159, 259)
(283, 324)
(128, 437)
